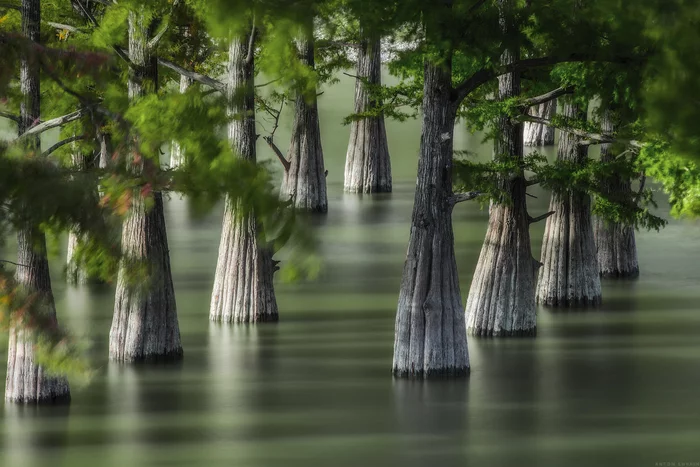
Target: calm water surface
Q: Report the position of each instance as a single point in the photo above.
(613, 387)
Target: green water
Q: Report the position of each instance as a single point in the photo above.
(614, 387)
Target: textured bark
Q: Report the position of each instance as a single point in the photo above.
(305, 180)
(27, 382)
(569, 276)
(615, 242)
(537, 134)
(367, 163)
(145, 325)
(177, 153)
(430, 333)
(243, 288)
(501, 300)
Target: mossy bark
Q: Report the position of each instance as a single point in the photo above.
(569, 276)
(367, 163)
(243, 285)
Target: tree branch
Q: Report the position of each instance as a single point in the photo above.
(62, 143)
(532, 220)
(267, 83)
(67, 27)
(164, 27)
(53, 123)
(549, 96)
(532, 181)
(460, 197)
(285, 163)
(200, 78)
(591, 138)
(251, 44)
(13, 117)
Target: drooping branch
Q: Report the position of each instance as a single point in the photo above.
(590, 137)
(13, 117)
(62, 143)
(461, 197)
(200, 78)
(551, 95)
(54, 122)
(285, 163)
(485, 75)
(532, 220)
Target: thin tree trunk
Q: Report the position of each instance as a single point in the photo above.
(569, 276)
(305, 180)
(615, 242)
(367, 163)
(27, 382)
(177, 153)
(501, 300)
(430, 334)
(537, 134)
(243, 288)
(145, 325)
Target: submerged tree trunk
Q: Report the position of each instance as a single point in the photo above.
(501, 299)
(305, 179)
(615, 242)
(243, 288)
(145, 325)
(430, 334)
(569, 276)
(177, 153)
(537, 134)
(367, 163)
(27, 382)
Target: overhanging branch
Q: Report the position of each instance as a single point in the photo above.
(62, 143)
(549, 96)
(588, 138)
(200, 78)
(53, 123)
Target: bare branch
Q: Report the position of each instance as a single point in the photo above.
(251, 44)
(12, 262)
(62, 143)
(532, 220)
(200, 78)
(460, 197)
(285, 163)
(549, 96)
(67, 27)
(53, 123)
(531, 196)
(13, 117)
(352, 76)
(267, 83)
(591, 138)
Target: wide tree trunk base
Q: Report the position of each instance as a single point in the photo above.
(243, 287)
(145, 325)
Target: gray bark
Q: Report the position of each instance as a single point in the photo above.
(501, 300)
(569, 276)
(27, 382)
(537, 134)
(305, 180)
(367, 163)
(145, 325)
(243, 288)
(615, 242)
(430, 333)
(177, 153)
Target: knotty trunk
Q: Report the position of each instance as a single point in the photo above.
(537, 134)
(430, 334)
(569, 276)
(305, 180)
(501, 299)
(145, 325)
(27, 382)
(615, 242)
(367, 163)
(243, 288)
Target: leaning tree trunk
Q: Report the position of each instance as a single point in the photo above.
(177, 153)
(27, 382)
(430, 334)
(569, 276)
(367, 163)
(305, 178)
(501, 300)
(537, 134)
(243, 289)
(617, 248)
(145, 325)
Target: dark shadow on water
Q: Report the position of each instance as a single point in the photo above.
(33, 432)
